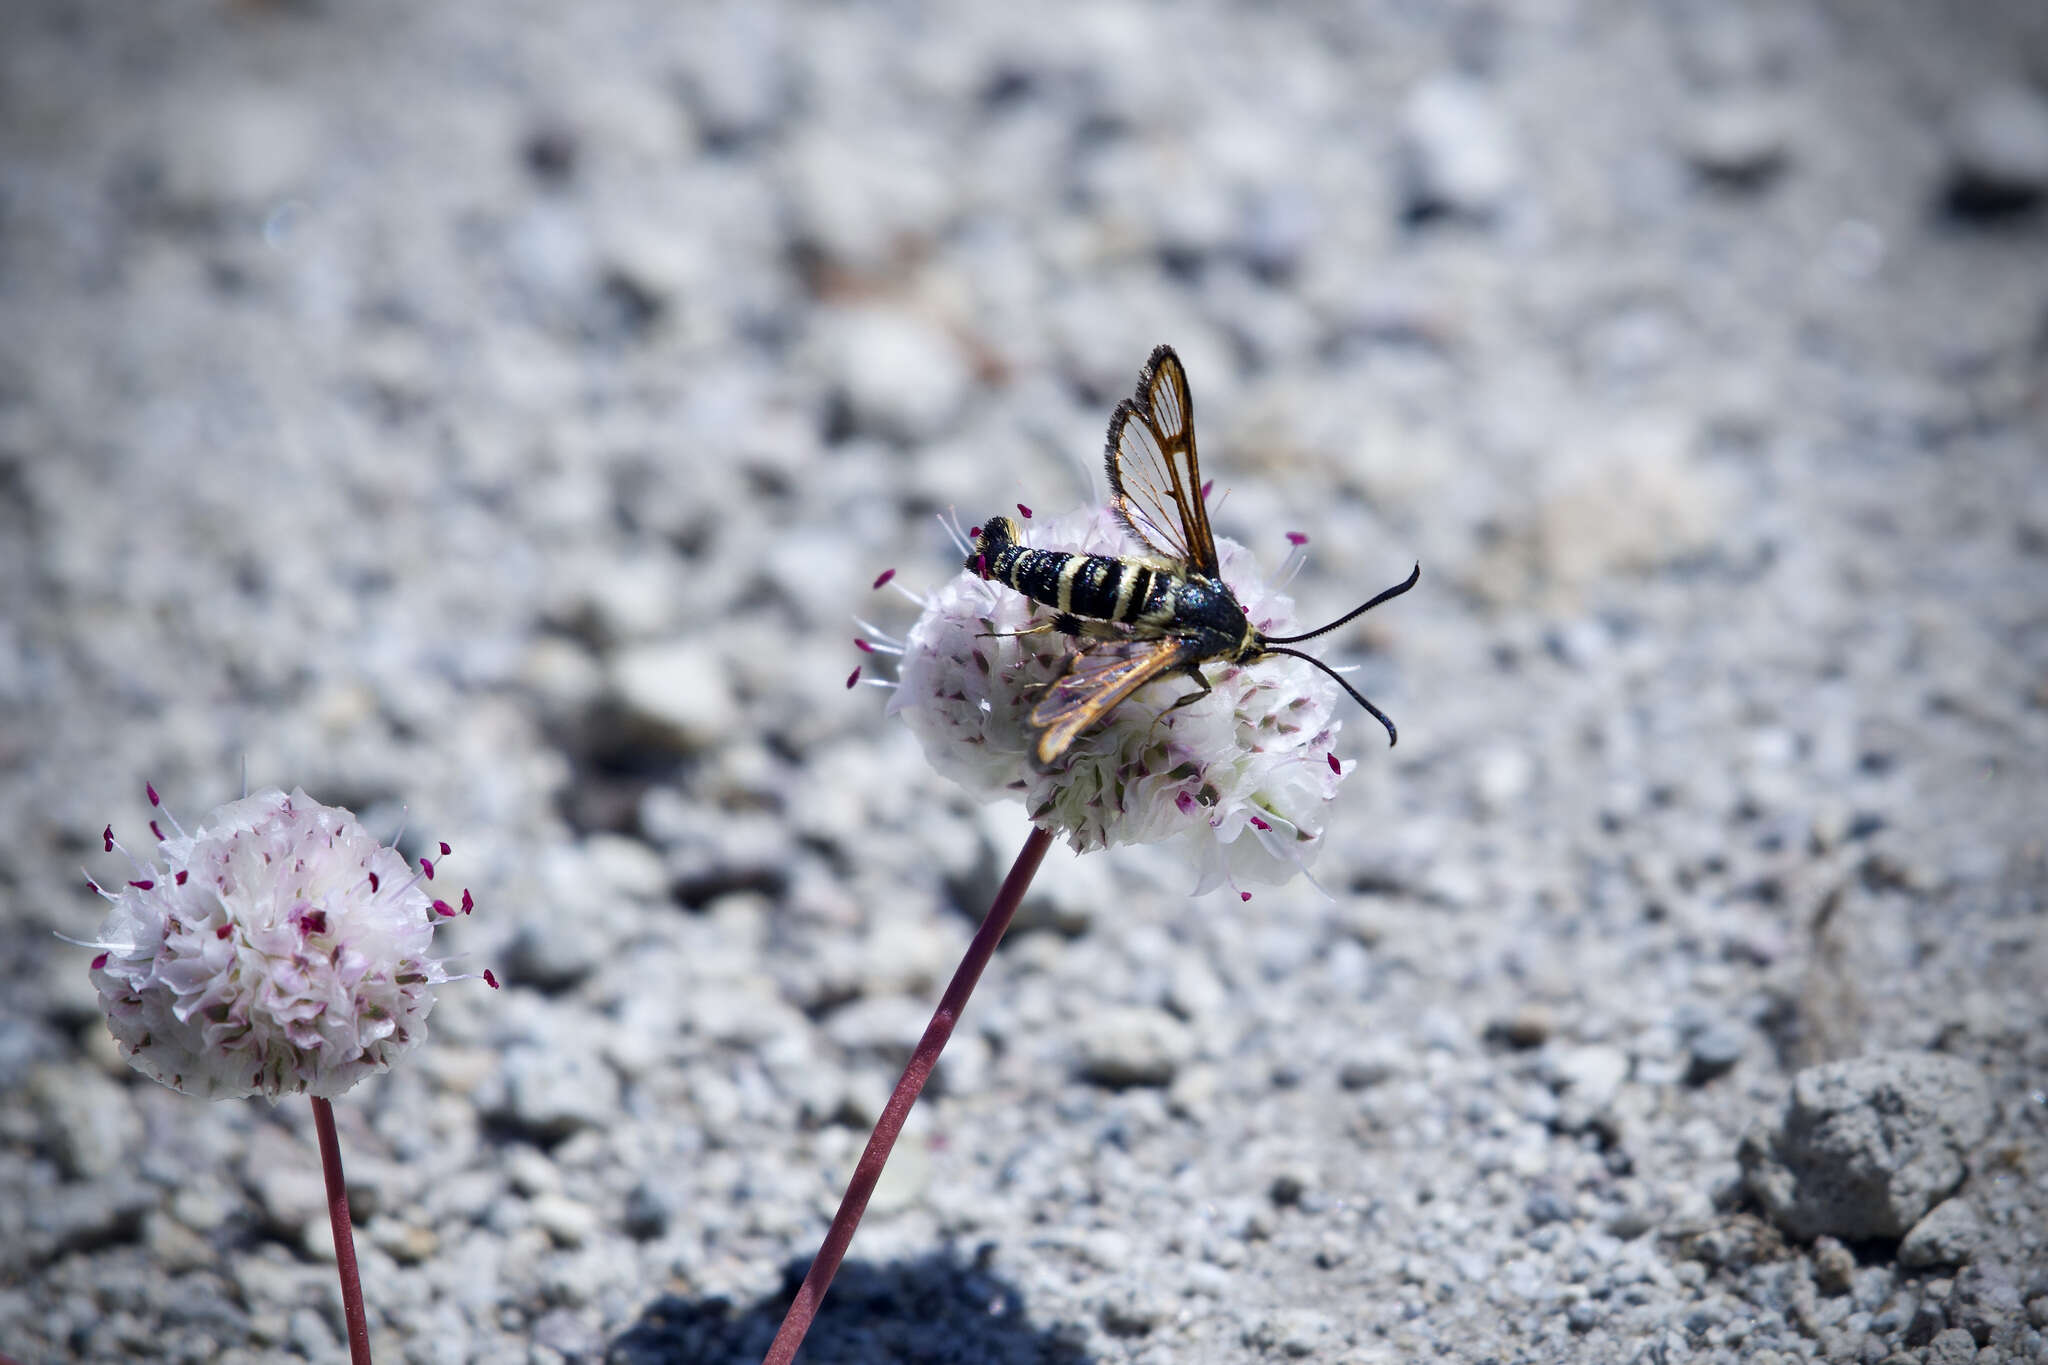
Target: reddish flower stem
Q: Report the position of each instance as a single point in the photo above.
(889, 1126)
(344, 1238)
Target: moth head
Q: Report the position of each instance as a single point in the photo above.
(988, 539)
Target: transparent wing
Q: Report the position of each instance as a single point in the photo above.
(1155, 482)
(1098, 677)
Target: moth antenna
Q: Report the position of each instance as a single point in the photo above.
(1349, 616)
(1393, 735)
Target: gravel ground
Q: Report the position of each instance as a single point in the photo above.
(497, 413)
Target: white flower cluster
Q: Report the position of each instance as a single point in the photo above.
(1253, 758)
(279, 949)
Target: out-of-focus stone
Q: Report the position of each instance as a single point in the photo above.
(1133, 1046)
(1457, 154)
(1998, 150)
(676, 691)
(900, 377)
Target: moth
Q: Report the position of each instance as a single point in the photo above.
(1138, 617)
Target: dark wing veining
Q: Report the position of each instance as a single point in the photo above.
(1098, 676)
(1155, 481)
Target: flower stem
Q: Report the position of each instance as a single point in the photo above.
(344, 1239)
(890, 1125)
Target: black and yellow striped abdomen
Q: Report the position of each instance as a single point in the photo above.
(1100, 587)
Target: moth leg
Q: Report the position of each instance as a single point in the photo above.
(1193, 671)
(1066, 623)
(1041, 628)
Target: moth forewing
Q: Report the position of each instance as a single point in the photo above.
(1098, 678)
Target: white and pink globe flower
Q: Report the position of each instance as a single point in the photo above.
(279, 949)
(1240, 778)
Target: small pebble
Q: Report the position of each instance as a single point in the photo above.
(570, 1222)
(1998, 145)
(1130, 1046)
(1834, 1266)
(1948, 1235)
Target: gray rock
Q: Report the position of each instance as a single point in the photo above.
(883, 1029)
(1998, 148)
(735, 78)
(1865, 1147)
(1529, 1025)
(565, 1332)
(1930, 1317)
(230, 146)
(1951, 1347)
(1592, 1075)
(1548, 1205)
(311, 1337)
(552, 951)
(553, 1091)
(172, 1246)
(1293, 1333)
(1372, 1064)
(570, 1222)
(90, 1124)
(647, 1213)
(900, 377)
(1948, 1235)
(1279, 228)
(405, 1242)
(284, 1175)
(857, 201)
(1133, 1046)
(627, 866)
(1741, 141)
(1457, 154)
(78, 1217)
(1501, 775)
(676, 691)
(1134, 1308)
(1712, 1052)
(1834, 1266)
(1986, 1304)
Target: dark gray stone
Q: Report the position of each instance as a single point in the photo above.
(1864, 1148)
(1986, 1304)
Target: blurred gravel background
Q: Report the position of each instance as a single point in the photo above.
(498, 411)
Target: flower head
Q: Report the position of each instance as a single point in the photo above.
(280, 948)
(1240, 777)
